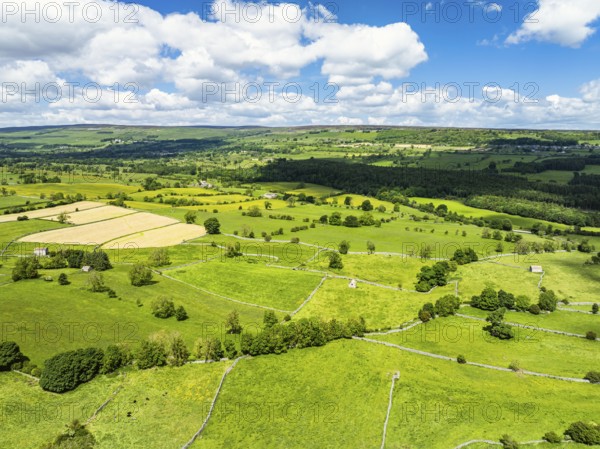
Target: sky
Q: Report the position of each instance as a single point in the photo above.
(502, 64)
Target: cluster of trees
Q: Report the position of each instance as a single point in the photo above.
(26, 268)
(445, 306)
(464, 257)
(165, 308)
(304, 333)
(595, 260)
(350, 221)
(76, 258)
(76, 436)
(491, 300)
(497, 327)
(434, 276)
(67, 370)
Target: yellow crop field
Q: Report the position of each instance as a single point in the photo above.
(53, 211)
(95, 214)
(101, 232)
(161, 237)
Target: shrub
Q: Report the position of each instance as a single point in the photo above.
(159, 258)
(591, 335)
(584, 433)
(95, 282)
(231, 351)
(548, 301)
(593, 377)
(10, 353)
(63, 280)
(190, 217)
(515, 366)
(552, 437)
(140, 275)
(335, 261)
(181, 314)
(461, 359)
(508, 442)
(163, 308)
(424, 316)
(344, 247)
(294, 240)
(26, 268)
(77, 436)
(65, 371)
(595, 309)
(534, 309)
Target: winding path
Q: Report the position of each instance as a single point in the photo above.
(389, 409)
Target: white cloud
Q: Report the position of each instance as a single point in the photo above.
(567, 23)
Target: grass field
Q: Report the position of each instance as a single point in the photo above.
(305, 397)
(576, 323)
(59, 318)
(378, 306)
(535, 350)
(250, 282)
(32, 417)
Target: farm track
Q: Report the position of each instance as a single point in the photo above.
(213, 403)
(481, 365)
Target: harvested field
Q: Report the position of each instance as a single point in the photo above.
(96, 214)
(99, 233)
(52, 211)
(161, 237)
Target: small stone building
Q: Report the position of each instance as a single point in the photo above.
(352, 284)
(536, 269)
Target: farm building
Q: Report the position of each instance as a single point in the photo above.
(352, 284)
(86, 269)
(40, 252)
(536, 269)
(270, 196)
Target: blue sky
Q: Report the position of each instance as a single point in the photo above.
(370, 53)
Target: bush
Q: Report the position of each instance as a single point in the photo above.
(591, 335)
(25, 268)
(190, 217)
(534, 309)
(95, 282)
(424, 316)
(140, 275)
(335, 261)
(584, 433)
(163, 308)
(63, 280)
(515, 366)
(77, 436)
(552, 437)
(595, 309)
(461, 359)
(447, 305)
(593, 377)
(181, 314)
(65, 371)
(114, 358)
(548, 301)
(344, 247)
(10, 353)
(508, 442)
(159, 258)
